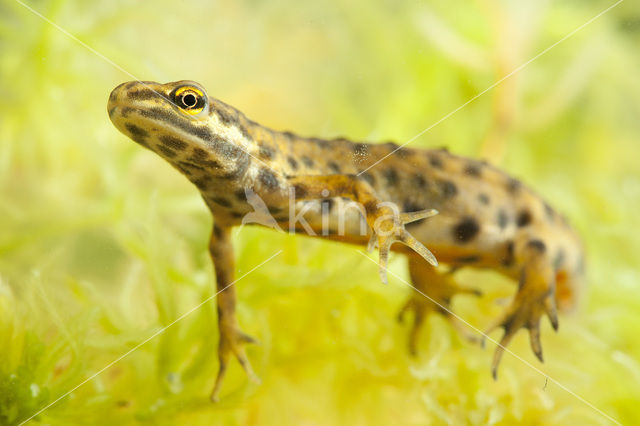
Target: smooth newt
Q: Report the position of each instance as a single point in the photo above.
(485, 219)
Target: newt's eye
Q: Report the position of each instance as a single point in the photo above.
(189, 99)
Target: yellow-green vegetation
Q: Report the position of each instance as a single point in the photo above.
(102, 243)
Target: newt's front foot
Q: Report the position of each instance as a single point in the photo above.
(232, 341)
(387, 227)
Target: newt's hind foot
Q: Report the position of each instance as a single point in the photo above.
(388, 227)
(232, 342)
(535, 298)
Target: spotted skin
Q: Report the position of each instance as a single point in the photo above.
(486, 218)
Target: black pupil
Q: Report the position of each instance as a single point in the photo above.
(189, 100)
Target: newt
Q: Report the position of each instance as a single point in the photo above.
(467, 212)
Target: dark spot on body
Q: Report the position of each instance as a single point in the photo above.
(226, 114)
(282, 218)
(292, 163)
(334, 167)
(419, 181)
(360, 149)
(202, 158)
(411, 206)
(221, 201)
(243, 161)
(524, 218)
(484, 198)
(466, 230)
(322, 143)
(126, 111)
(237, 215)
(473, 170)
(202, 183)
(187, 164)
(513, 185)
(266, 152)
(240, 195)
(508, 258)
(244, 131)
(168, 152)
(502, 219)
(371, 206)
(217, 231)
(307, 161)
(268, 178)
(448, 189)
(371, 180)
(467, 259)
(111, 111)
(391, 176)
(300, 190)
(435, 161)
(172, 142)
(274, 210)
(537, 245)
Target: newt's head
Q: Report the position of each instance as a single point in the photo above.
(197, 134)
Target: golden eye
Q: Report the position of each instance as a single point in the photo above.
(189, 99)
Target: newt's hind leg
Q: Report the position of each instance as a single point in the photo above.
(232, 339)
(534, 298)
(432, 292)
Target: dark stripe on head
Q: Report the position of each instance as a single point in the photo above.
(143, 95)
(182, 123)
(136, 131)
(171, 142)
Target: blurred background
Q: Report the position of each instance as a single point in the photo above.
(102, 243)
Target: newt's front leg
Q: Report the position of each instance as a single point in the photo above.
(232, 340)
(384, 218)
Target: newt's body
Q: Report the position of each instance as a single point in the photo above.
(486, 218)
